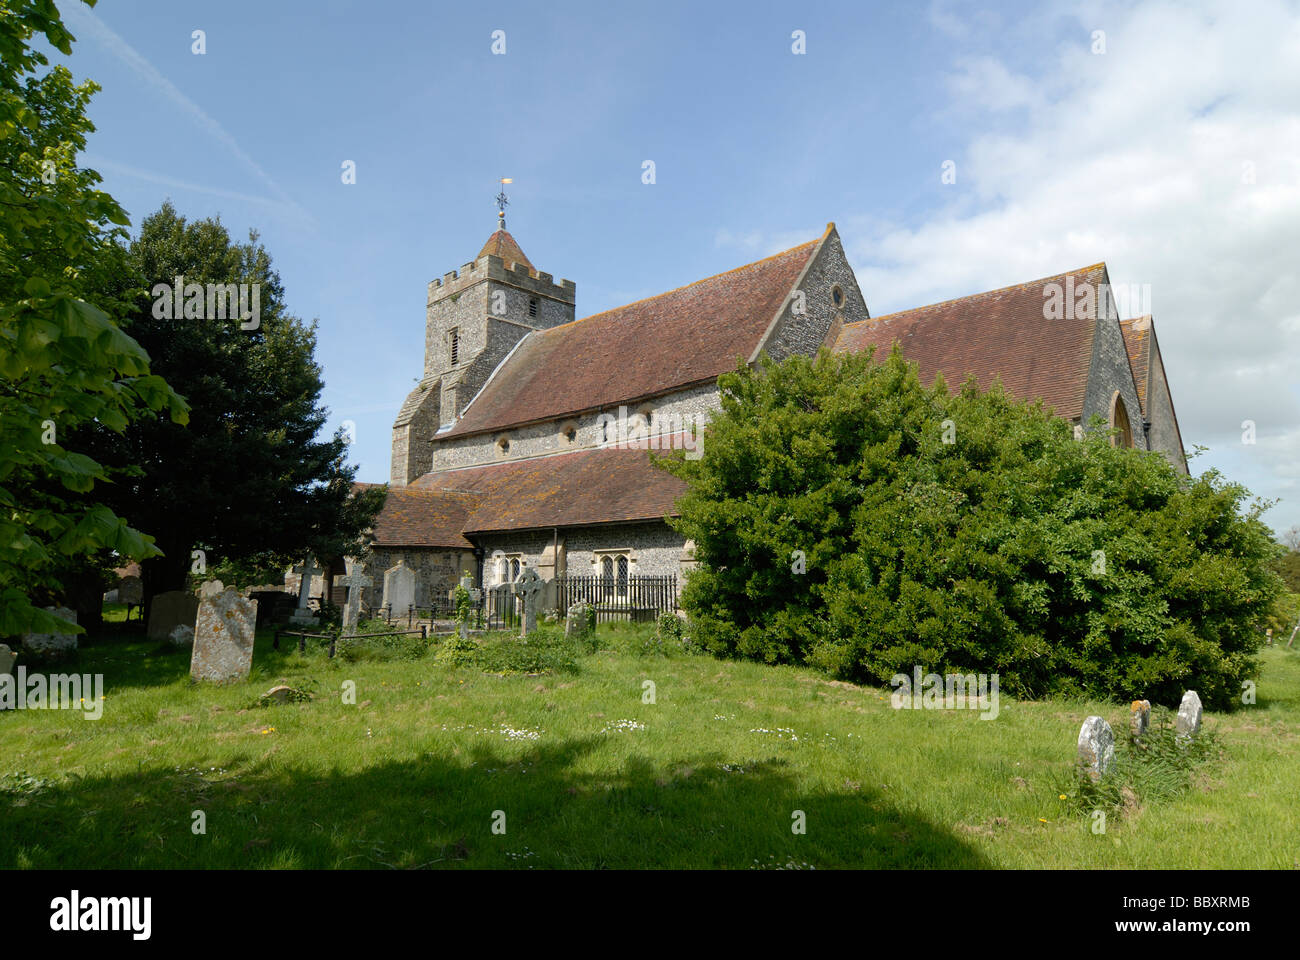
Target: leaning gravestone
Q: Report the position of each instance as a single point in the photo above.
(1096, 747)
(56, 645)
(170, 610)
(399, 590)
(223, 638)
(1140, 720)
(580, 621)
(1188, 724)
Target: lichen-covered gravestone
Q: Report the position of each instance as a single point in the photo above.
(223, 639)
(1188, 724)
(56, 645)
(170, 610)
(399, 590)
(1140, 720)
(580, 623)
(1096, 747)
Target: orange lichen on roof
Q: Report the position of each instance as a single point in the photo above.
(685, 336)
(998, 334)
(502, 245)
(1137, 341)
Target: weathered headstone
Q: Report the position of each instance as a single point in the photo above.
(223, 638)
(211, 588)
(475, 594)
(1140, 719)
(1188, 724)
(169, 610)
(354, 580)
(399, 589)
(55, 645)
(182, 636)
(7, 659)
(303, 614)
(529, 586)
(130, 590)
(580, 620)
(1096, 747)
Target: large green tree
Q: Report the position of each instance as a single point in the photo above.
(846, 516)
(250, 481)
(64, 363)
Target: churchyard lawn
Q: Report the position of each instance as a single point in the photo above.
(587, 775)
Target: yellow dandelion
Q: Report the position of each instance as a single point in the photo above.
(1062, 797)
(1041, 820)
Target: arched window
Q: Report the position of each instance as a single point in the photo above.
(1119, 423)
(622, 576)
(607, 575)
(514, 569)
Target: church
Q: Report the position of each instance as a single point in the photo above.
(524, 442)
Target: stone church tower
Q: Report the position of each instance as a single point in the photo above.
(473, 320)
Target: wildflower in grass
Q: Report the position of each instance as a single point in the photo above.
(1061, 797)
(1041, 820)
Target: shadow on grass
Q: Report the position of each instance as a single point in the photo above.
(439, 811)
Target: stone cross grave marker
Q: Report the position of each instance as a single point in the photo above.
(529, 586)
(355, 580)
(223, 639)
(474, 595)
(1188, 724)
(1096, 747)
(1140, 720)
(303, 613)
(399, 589)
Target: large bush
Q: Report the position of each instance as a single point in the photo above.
(848, 517)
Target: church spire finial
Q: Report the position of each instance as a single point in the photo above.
(502, 202)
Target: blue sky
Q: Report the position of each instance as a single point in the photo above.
(1136, 155)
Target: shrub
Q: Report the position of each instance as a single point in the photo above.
(834, 526)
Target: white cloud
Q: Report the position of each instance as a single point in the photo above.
(1140, 157)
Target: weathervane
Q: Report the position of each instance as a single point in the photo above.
(502, 202)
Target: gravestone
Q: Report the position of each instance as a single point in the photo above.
(55, 645)
(475, 594)
(355, 581)
(1188, 724)
(211, 588)
(1140, 720)
(302, 615)
(580, 621)
(170, 610)
(1096, 747)
(399, 590)
(130, 590)
(223, 638)
(7, 660)
(529, 586)
(182, 636)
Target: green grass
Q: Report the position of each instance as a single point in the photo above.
(589, 776)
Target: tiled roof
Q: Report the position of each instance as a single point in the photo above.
(1002, 333)
(688, 335)
(1137, 341)
(568, 489)
(412, 517)
(502, 245)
